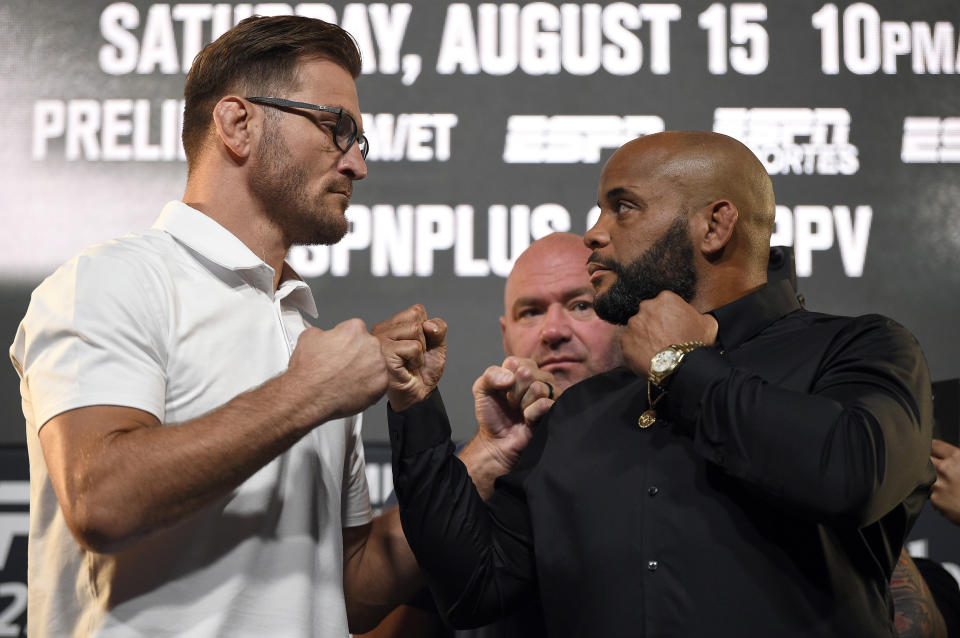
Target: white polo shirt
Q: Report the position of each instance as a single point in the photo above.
(177, 321)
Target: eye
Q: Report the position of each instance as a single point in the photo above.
(528, 313)
(582, 307)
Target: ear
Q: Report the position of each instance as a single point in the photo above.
(721, 218)
(234, 123)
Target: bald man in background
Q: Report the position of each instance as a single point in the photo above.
(551, 334)
(752, 471)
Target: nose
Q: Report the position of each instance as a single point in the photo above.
(556, 326)
(597, 236)
(352, 163)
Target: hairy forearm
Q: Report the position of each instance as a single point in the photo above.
(142, 477)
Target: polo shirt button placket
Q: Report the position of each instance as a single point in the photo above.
(652, 565)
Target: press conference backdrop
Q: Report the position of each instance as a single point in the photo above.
(489, 124)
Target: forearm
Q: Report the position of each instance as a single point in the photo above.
(916, 612)
(142, 477)
(379, 574)
(854, 445)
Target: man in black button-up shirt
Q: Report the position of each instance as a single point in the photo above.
(782, 466)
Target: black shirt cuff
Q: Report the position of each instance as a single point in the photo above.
(697, 372)
(420, 427)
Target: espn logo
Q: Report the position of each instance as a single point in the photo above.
(572, 139)
(930, 140)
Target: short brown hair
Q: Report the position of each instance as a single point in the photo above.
(259, 56)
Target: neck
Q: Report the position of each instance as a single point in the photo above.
(218, 197)
(716, 291)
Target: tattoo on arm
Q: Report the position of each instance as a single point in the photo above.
(916, 613)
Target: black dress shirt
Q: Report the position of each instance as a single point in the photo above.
(770, 499)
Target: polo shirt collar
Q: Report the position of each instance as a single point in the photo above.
(213, 242)
(740, 320)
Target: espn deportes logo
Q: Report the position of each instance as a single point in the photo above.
(572, 139)
(930, 140)
(794, 141)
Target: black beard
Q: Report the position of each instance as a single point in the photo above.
(666, 265)
(282, 189)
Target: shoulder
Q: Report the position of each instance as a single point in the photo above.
(130, 264)
(125, 281)
(869, 331)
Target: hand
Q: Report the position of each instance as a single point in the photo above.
(415, 351)
(945, 494)
(509, 399)
(340, 371)
(660, 322)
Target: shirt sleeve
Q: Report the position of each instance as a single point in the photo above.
(356, 508)
(94, 334)
(855, 446)
(477, 557)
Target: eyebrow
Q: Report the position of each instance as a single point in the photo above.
(572, 294)
(620, 191)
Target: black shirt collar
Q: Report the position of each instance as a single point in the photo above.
(741, 319)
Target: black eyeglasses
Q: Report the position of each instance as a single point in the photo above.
(345, 133)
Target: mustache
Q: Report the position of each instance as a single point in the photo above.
(607, 263)
(345, 187)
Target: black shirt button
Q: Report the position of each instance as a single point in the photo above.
(652, 565)
(653, 490)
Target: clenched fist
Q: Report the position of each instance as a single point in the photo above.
(660, 322)
(341, 371)
(415, 351)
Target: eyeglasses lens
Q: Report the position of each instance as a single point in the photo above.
(346, 134)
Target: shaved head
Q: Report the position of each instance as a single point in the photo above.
(557, 250)
(686, 211)
(548, 312)
(703, 167)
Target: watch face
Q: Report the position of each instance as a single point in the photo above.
(664, 360)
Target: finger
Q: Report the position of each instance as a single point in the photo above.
(408, 352)
(493, 380)
(398, 330)
(535, 411)
(942, 449)
(511, 363)
(537, 390)
(435, 332)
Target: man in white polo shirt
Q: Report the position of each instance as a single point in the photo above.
(196, 462)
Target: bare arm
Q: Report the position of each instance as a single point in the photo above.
(916, 613)
(379, 570)
(119, 475)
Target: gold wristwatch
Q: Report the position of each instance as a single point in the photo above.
(663, 364)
